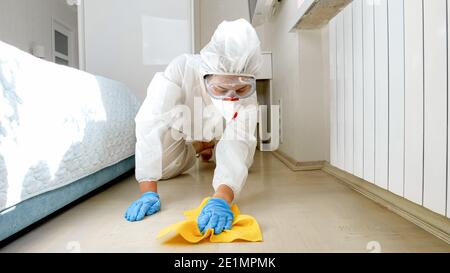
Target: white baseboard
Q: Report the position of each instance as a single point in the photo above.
(296, 165)
(434, 223)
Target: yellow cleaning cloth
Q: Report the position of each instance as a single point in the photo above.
(244, 228)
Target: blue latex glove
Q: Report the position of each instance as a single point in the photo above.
(146, 205)
(216, 214)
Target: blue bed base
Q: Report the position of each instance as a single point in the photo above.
(13, 220)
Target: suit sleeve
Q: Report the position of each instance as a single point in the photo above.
(236, 149)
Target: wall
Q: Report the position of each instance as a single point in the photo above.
(130, 43)
(299, 70)
(389, 97)
(212, 12)
(24, 22)
(298, 63)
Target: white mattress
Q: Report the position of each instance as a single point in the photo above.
(57, 125)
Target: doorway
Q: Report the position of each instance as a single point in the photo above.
(63, 43)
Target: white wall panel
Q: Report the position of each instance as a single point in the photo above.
(340, 91)
(333, 93)
(381, 94)
(414, 100)
(369, 91)
(358, 89)
(396, 96)
(448, 127)
(348, 45)
(435, 111)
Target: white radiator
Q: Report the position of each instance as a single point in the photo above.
(389, 97)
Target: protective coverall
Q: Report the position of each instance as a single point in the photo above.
(233, 49)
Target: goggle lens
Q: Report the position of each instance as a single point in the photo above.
(226, 87)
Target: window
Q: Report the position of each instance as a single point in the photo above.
(62, 43)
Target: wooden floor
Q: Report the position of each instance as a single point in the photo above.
(297, 212)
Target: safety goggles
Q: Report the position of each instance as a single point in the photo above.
(230, 86)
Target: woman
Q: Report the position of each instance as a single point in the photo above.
(222, 76)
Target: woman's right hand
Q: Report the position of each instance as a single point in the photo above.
(146, 205)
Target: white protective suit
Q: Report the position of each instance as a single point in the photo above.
(234, 48)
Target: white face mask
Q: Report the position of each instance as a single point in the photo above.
(228, 109)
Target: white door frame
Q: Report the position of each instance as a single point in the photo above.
(81, 36)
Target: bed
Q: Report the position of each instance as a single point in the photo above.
(63, 133)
